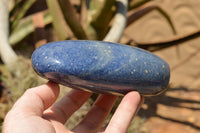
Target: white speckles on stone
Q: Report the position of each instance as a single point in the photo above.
(57, 61)
(163, 66)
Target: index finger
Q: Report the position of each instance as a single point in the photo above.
(126, 110)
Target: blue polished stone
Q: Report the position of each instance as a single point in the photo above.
(101, 67)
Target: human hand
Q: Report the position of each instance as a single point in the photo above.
(36, 112)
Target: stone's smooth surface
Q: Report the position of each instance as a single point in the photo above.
(101, 67)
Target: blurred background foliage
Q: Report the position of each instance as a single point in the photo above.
(29, 24)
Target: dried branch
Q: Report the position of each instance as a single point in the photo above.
(119, 24)
(137, 3)
(167, 43)
(140, 12)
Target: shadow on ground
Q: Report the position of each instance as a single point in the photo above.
(179, 102)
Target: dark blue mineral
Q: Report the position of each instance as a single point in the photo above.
(101, 67)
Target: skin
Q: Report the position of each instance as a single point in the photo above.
(37, 112)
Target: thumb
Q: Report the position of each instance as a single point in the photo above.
(35, 100)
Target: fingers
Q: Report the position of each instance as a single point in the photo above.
(128, 107)
(97, 114)
(35, 100)
(62, 110)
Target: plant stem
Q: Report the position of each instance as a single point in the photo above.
(8, 55)
(59, 24)
(100, 15)
(72, 19)
(115, 33)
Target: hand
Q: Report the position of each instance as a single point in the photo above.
(35, 111)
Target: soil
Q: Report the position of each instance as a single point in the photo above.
(178, 109)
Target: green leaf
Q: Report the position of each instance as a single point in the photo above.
(22, 12)
(15, 8)
(25, 27)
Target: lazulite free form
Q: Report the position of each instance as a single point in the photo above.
(101, 67)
